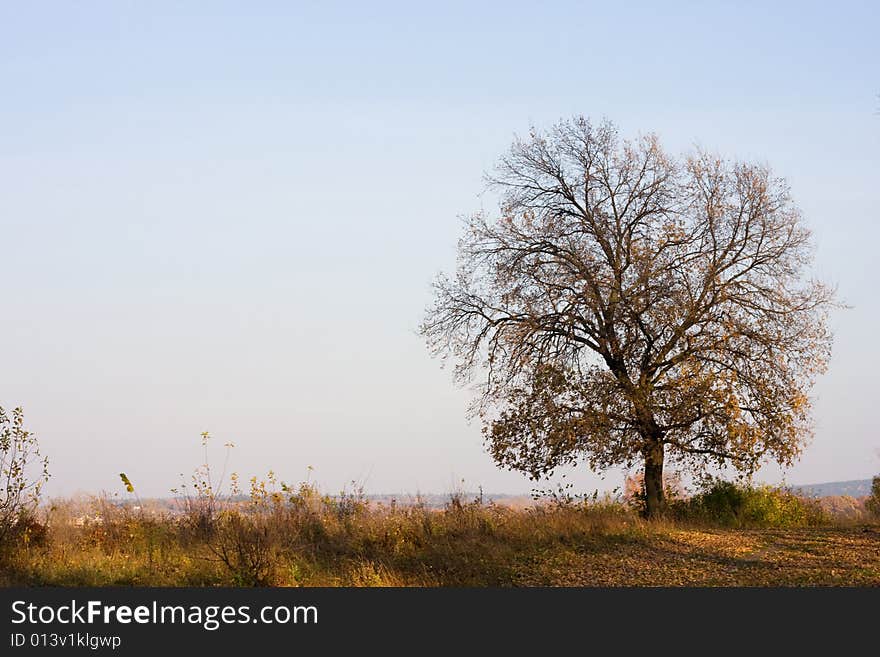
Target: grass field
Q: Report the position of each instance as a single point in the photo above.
(311, 540)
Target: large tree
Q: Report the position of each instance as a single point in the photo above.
(625, 306)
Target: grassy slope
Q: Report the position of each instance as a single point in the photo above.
(469, 545)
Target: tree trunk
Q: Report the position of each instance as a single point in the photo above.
(654, 497)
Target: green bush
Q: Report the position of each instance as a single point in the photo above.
(731, 505)
(23, 471)
(872, 504)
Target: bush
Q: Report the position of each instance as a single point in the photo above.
(872, 504)
(202, 501)
(635, 496)
(247, 546)
(22, 474)
(731, 505)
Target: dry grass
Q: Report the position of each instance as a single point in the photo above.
(309, 540)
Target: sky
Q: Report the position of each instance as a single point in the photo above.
(226, 217)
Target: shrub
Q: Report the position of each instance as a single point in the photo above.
(843, 508)
(22, 474)
(872, 504)
(247, 546)
(635, 497)
(728, 504)
(202, 501)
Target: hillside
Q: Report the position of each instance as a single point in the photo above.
(853, 488)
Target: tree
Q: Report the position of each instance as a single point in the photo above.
(627, 306)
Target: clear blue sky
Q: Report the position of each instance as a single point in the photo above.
(226, 216)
